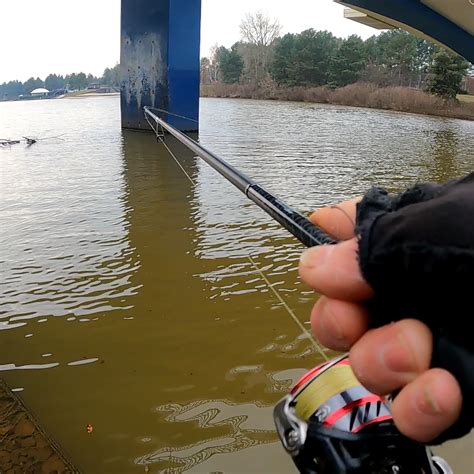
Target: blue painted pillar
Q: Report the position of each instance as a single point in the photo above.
(160, 42)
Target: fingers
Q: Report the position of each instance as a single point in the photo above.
(387, 358)
(334, 270)
(391, 358)
(338, 220)
(428, 406)
(338, 324)
(398, 357)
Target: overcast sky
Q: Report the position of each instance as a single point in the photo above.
(53, 36)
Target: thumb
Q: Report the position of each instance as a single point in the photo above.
(333, 270)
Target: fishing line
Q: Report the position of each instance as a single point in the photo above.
(288, 309)
(175, 115)
(160, 136)
(178, 163)
(49, 138)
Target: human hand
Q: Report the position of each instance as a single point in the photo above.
(392, 357)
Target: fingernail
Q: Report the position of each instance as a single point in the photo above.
(428, 404)
(315, 257)
(397, 357)
(431, 401)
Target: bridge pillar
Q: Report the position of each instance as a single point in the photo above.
(159, 57)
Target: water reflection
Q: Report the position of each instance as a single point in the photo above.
(239, 426)
(190, 339)
(445, 155)
(64, 241)
(242, 426)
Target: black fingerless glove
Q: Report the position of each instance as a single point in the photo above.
(416, 250)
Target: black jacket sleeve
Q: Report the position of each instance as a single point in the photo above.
(416, 250)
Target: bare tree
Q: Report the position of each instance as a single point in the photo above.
(206, 71)
(258, 32)
(214, 63)
(259, 29)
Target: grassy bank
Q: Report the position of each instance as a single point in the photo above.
(466, 98)
(88, 93)
(402, 99)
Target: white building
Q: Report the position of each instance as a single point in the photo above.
(40, 92)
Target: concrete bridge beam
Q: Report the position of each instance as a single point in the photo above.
(450, 23)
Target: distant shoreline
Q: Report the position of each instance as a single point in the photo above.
(399, 99)
(87, 94)
(73, 95)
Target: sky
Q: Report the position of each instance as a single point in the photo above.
(53, 36)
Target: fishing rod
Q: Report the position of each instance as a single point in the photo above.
(298, 225)
(329, 423)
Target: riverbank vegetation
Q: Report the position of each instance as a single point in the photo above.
(361, 94)
(394, 70)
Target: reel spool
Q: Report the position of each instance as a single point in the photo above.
(331, 424)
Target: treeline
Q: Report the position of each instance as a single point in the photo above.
(318, 58)
(76, 81)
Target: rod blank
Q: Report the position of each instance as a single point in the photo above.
(298, 225)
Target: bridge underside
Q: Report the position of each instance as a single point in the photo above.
(447, 22)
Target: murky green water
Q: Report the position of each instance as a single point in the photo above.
(128, 300)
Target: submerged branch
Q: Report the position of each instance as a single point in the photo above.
(28, 140)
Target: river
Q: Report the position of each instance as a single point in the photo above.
(128, 300)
